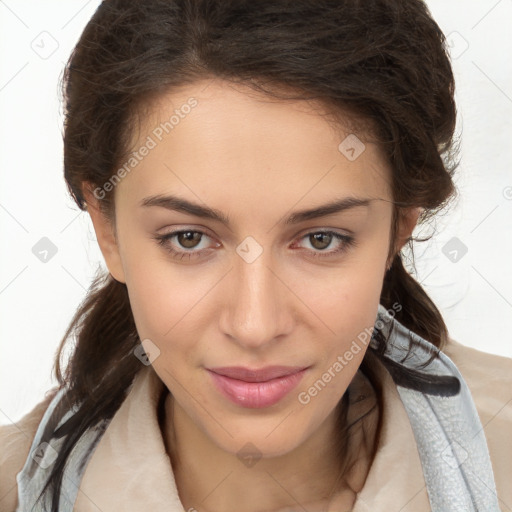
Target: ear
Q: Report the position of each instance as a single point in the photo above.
(105, 234)
(407, 221)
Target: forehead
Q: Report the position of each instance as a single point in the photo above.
(208, 134)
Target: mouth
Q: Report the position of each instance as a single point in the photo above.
(259, 388)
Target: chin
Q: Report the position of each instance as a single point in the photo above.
(267, 437)
(252, 446)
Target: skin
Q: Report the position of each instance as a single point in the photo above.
(256, 160)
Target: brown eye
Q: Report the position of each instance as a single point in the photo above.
(321, 244)
(189, 239)
(320, 240)
(186, 244)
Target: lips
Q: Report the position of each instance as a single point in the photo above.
(256, 388)
(262, 375)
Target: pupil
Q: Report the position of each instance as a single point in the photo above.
(320, 240)
(189, 239)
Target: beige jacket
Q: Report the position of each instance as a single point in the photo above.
(131, 455)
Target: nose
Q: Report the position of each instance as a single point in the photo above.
(259, 309)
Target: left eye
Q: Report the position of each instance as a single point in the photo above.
(187, 243)
(321, 240)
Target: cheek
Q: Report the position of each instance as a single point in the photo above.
(344, 299)
(163, 299)
(346, 302)
(350, 317)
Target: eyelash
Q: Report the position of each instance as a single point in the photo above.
(164, 241)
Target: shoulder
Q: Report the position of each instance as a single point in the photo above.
(476, 362)
(15, 442)
(489, 378)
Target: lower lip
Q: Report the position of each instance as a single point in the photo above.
(256, 395)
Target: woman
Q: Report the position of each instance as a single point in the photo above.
(252, 171)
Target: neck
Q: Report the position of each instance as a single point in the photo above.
(210, 479)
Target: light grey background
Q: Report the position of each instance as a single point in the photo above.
(37, 300)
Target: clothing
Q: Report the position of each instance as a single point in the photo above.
(432, 452)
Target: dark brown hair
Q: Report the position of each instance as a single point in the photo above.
(384, 61)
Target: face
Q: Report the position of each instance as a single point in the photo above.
(239, 269)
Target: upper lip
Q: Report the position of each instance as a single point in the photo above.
(257, 375)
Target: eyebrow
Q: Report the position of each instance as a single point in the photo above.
(175, 203)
